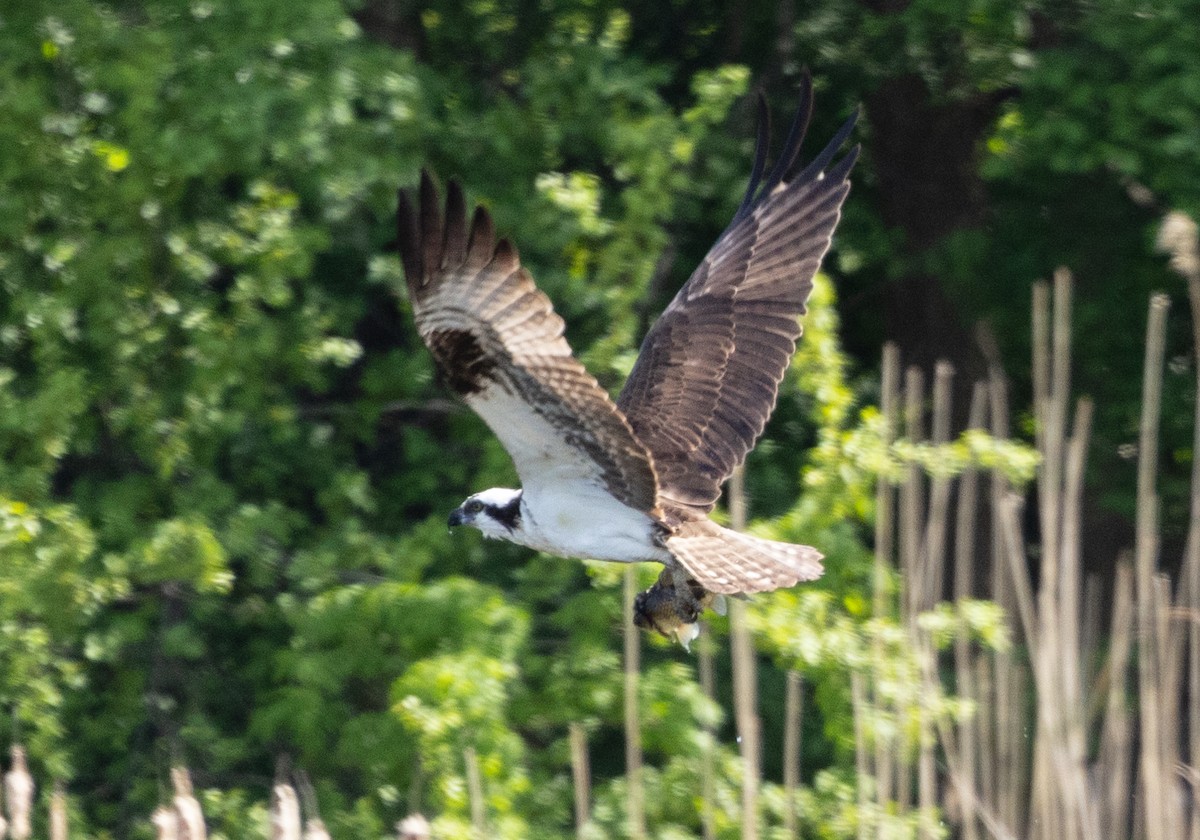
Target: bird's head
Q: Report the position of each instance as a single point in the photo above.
(495, 512)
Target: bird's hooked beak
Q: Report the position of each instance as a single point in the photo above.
(457, 517)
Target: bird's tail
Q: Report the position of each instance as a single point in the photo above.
(729, 562)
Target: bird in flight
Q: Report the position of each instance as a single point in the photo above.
(633, 480)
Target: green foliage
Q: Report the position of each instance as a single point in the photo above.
(47, 597)
(224, 459)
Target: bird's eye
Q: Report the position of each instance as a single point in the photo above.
(474, 506)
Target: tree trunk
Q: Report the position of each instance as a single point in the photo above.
(924, 153)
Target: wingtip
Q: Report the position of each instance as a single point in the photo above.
(428, 191)
(505, 253)
(795, 136)
(430, 234)
(454, 245)
(762, 143)
(481, 241)
(818, 164)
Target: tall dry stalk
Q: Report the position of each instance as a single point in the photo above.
(745, 678)
(931, 566)
(187, 807)
(793, 710)
(58, 813)
(314, 826)
(912, 498)
(964, 585)
(633, 727)
(1155, 778)
(708, 782)
(858, 704)
(475, 794)
(314, 829)
(581, 777)
(285, 812)
(884, 564)
(1179, 236)
(18, 795)
(166, 823)
(911, 505)
(413, 827)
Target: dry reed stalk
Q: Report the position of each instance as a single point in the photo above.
(633, 725)
(1070, 582)
(885, 493)
(911, 494)
(1036, 609)
(1044, 802)
(1021, 772)
(285, 812)
(18, 795)
(314, 826)
(1072, 662)
(413, 827)
(1009, 517)
(984, 729)
(933, 557)
(1019, 809)
(964, 579)
(1152, 772)
(745, 681)
(58, 813)
(165, 822)
(1051, 510)
(1069, 810)
(1179, 235)
(1115, 761)
(1139, 809)
(932, 562)
(187, 807)
(1040, 337)
(581, 777)
(885, 527)
(930, 683)
(911, 504)
(793, 709)
(1089, 640)
(475, 793)
(1170, 663)
(926, 771)
(314, 829)
(1010, 756)
(858, 705)
(708, 783)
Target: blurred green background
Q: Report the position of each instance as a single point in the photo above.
(225, 464)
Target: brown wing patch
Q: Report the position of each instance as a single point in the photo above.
(463, 365)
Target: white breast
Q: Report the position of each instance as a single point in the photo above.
(588, 524)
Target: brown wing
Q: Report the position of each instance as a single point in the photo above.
(498, 343)
(709, 370)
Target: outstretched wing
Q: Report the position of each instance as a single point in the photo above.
(498, 343)
(709, 370)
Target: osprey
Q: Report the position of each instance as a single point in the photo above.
(633, 480)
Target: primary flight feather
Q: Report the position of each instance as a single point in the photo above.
(633, 480)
